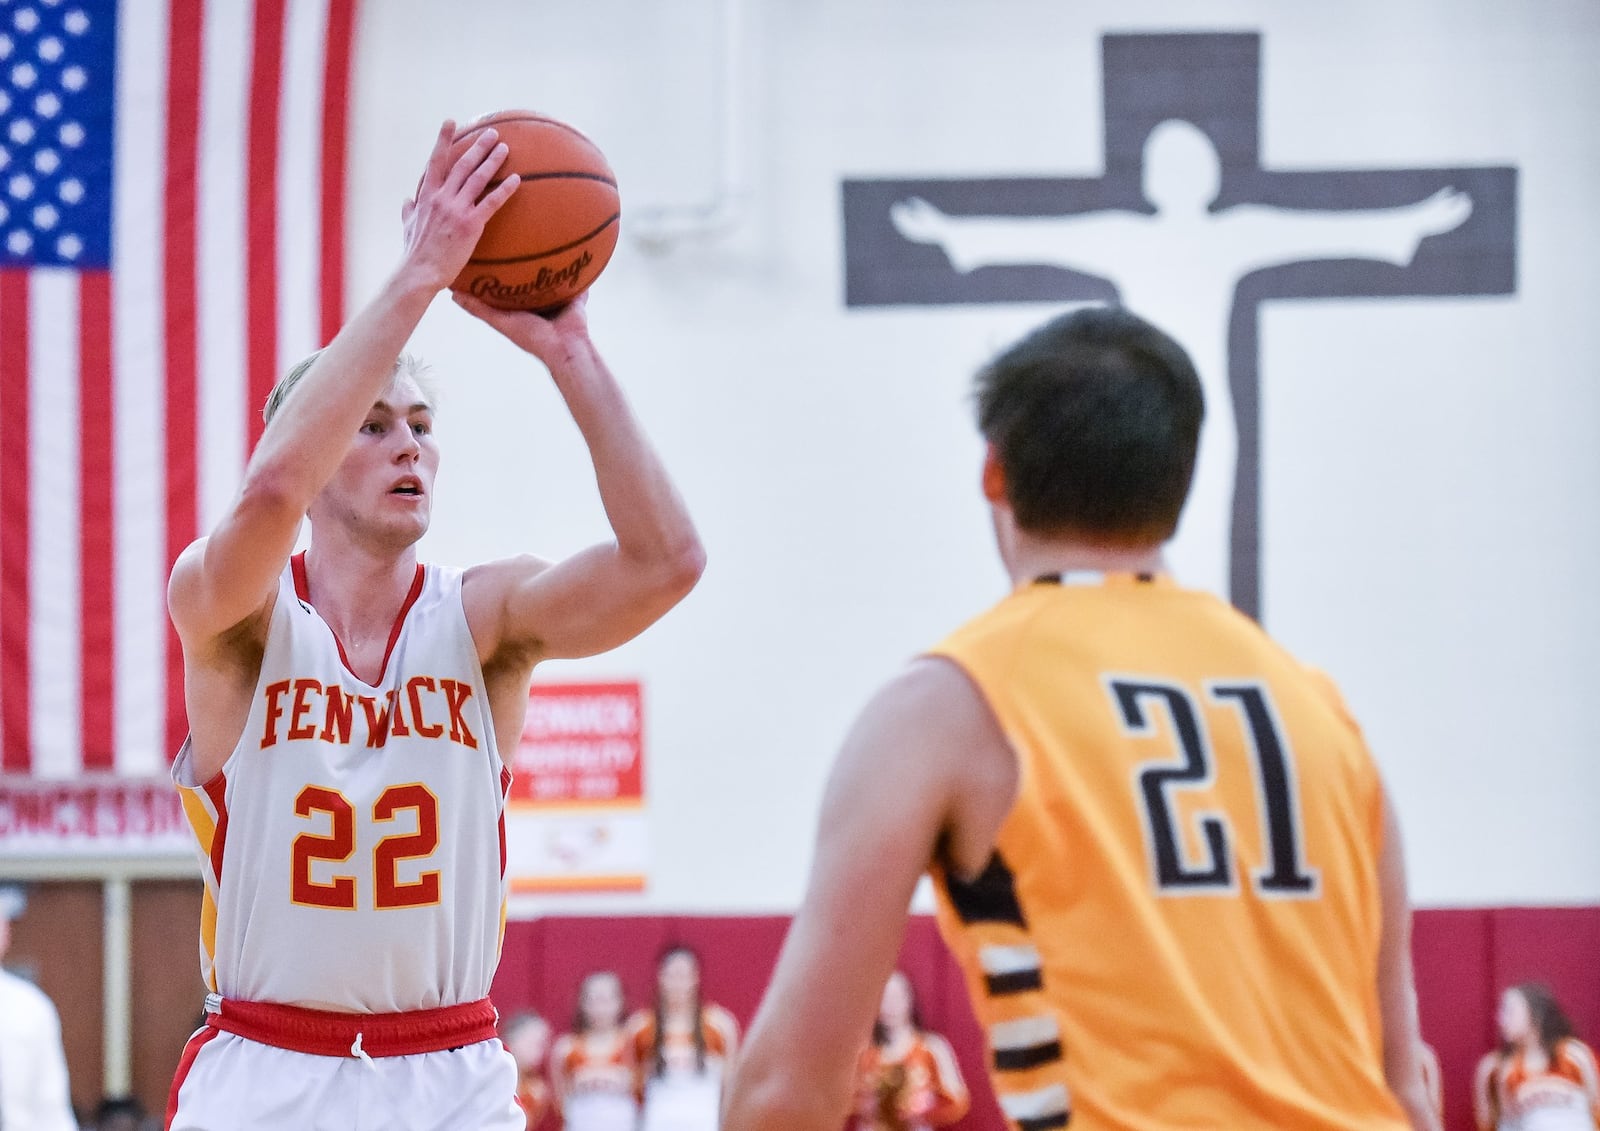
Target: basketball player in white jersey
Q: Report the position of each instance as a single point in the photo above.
(349, 709)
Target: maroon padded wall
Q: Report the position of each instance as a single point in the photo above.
(1464, 959)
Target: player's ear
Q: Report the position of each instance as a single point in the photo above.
(994, 476)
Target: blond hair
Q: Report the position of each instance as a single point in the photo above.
(415, 368)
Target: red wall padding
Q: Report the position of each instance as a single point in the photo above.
(1464, 959)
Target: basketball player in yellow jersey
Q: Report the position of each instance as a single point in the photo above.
(1162, 853)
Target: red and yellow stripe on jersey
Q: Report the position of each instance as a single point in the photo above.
(1179, 926)
(206, 809)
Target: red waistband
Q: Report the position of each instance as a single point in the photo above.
(324, 1033)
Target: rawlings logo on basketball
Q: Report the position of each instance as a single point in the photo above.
(490, 288)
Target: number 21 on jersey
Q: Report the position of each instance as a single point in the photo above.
(1284, 872)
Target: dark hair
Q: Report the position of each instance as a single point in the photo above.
(580, 1023)
(1550, 1021)
(111, 1107)
(658, 1059)
(1095, 419)
(880, 1035)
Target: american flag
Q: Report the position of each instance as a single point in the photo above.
(171, 238)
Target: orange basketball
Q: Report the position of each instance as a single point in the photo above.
(551, 240)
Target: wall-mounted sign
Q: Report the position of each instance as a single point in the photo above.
(575, 817)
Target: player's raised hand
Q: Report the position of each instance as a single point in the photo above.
(452, 204)
(552, 337)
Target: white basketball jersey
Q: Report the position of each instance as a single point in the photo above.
(353, 844)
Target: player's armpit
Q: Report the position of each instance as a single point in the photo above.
(889, 801)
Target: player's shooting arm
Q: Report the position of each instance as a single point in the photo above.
(607, 594)
(901, 783)
(225, 579)
(1397, 994)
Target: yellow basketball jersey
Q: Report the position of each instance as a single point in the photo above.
(1179, 926)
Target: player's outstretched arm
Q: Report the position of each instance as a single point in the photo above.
(1397, 993)
(916, 774)
(609, 593)
(230, 576)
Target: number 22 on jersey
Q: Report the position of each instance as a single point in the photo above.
(339, 845)
(1284, 872)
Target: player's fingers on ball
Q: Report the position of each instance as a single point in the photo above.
(498, 195)
(479, 178)
(476, 153)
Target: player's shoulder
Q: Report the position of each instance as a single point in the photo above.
(1002, 620)
(503, 571)
(487, 587)
(932, 706)
(639, 1022)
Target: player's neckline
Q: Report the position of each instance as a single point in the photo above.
(302, 590)
(1088, 578)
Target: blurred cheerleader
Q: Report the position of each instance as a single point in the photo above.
(526, 1036)
(1541, 1078)
(907, 1079)
(591, 1068)
(682, 1047)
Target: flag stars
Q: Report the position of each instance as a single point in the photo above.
(50, 87)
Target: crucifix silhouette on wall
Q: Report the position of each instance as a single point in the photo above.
(1187, 229)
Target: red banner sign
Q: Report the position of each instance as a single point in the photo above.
(583, 743)
(89, 815)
